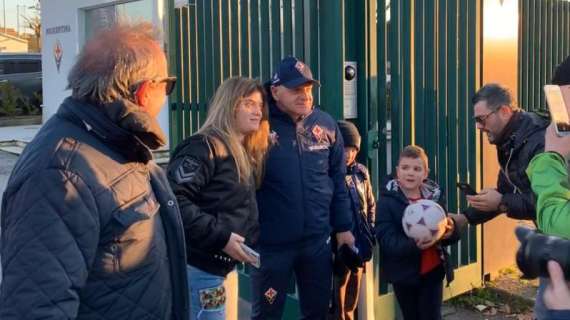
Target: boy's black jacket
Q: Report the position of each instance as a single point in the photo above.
(400, 257)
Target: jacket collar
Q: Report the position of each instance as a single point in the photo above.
(351, 168)
(521, 126)
(355, 168)
(512, 126)
(275, 112)
(120, 124)
(430, 190)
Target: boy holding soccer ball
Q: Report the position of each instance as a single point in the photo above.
(415, 268)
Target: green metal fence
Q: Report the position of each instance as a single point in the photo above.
(544, 42)
(216, 39)
(432, 51)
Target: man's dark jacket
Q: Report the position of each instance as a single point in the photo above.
(303, 194)
(523, 139)
(90, 228)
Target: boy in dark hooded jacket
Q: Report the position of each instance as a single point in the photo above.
(415, 269)
(346, 283)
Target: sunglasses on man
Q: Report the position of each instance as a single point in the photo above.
(483, 118)
(170, 83)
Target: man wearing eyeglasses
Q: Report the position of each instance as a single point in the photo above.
(518, 136)
(90, 227)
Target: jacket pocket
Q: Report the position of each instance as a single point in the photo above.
(317, 160)
(142, 207)
(135, 237)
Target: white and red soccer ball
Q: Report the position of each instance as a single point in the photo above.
(424, 221)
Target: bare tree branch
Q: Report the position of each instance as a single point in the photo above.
(34, 22)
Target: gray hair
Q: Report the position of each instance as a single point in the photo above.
(495, 95)
(114, 61)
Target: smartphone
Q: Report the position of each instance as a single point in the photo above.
(466, 188)
(253, 253)
(558, 100)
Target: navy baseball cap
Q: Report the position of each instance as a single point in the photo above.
(292, 73)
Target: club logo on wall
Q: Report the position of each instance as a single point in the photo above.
(57, 53)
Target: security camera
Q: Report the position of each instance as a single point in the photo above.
(349, 73)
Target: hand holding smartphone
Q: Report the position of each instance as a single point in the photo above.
(558, 101)
(252, 253)
(466, 189)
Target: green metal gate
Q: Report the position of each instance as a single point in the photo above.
(544, 42)
(418, 65)
(216, 39)
(432, 51)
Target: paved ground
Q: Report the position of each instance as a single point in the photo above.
(7, 161)
(22, 133)
(456, 313)
(449, 313)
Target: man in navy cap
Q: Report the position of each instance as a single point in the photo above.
(302, 199)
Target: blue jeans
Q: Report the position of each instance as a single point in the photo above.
(207, 295)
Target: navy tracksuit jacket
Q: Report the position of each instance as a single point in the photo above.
(303, 198)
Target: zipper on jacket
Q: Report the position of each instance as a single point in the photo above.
(506, 172)
(115, 254)
(300, 153)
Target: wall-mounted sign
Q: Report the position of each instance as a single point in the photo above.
(57, 53)
(58, 29)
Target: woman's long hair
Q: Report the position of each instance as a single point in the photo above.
(220, 124)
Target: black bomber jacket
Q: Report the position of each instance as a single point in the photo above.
(213, 203)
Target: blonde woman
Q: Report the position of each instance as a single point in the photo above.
(214, 175)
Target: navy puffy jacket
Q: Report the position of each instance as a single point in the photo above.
(303, 193)
(90, 227)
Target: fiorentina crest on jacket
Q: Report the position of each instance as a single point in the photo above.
(317, 132)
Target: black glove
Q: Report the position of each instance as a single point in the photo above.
(350, 258)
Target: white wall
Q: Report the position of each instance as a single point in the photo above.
(69, 13)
